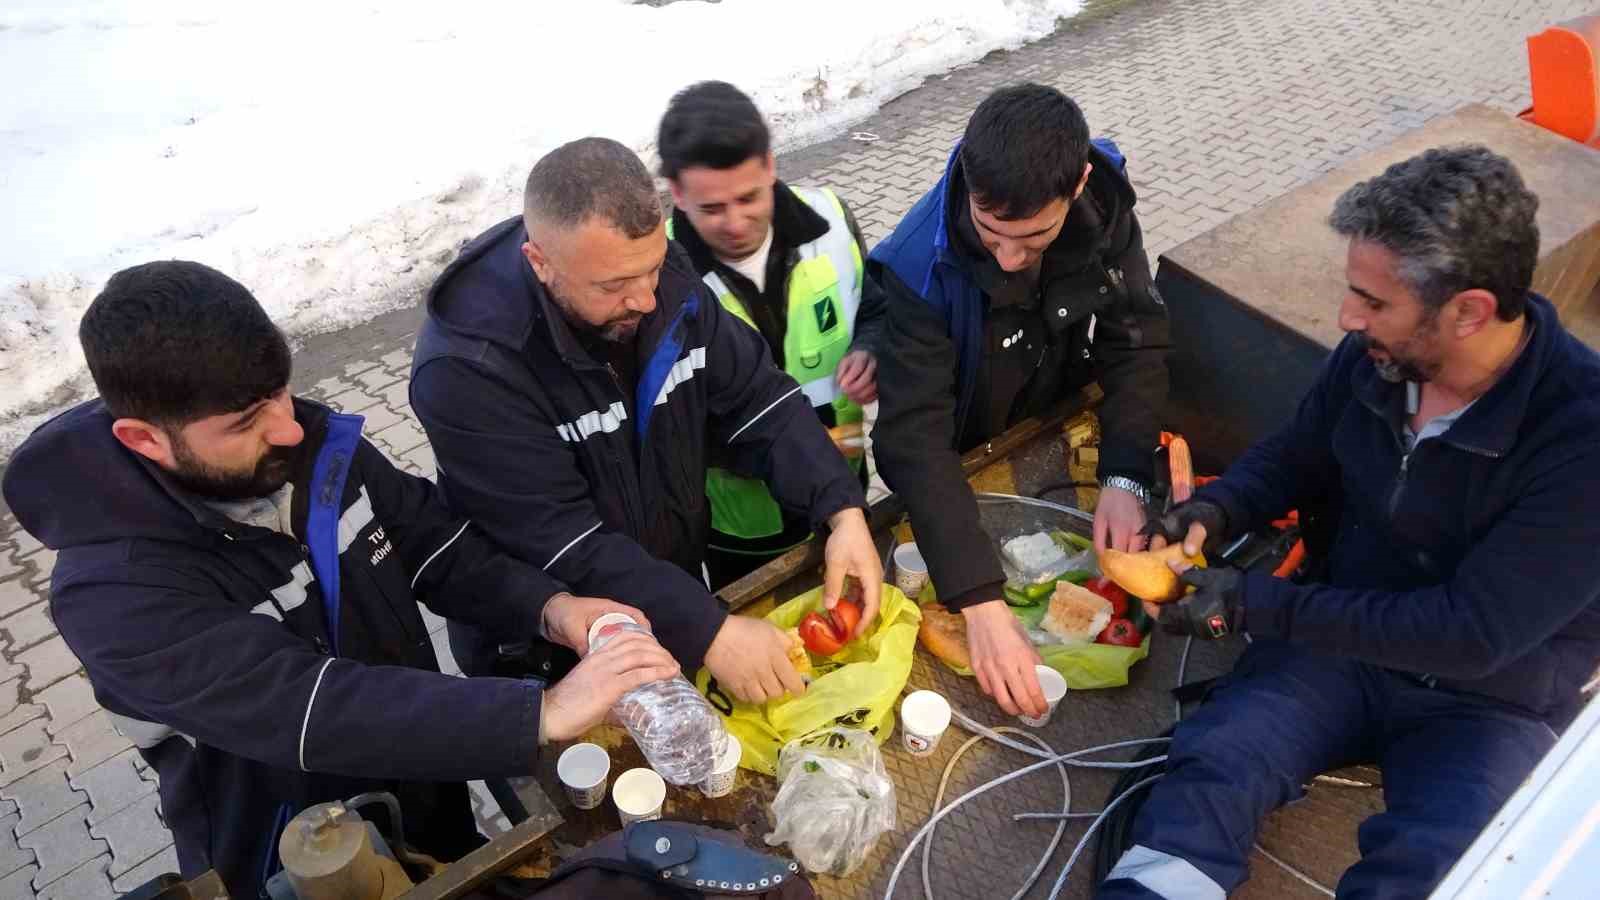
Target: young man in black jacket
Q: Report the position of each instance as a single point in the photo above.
(1018, 279)
(575, 376)
(239, 572)
(787, 261)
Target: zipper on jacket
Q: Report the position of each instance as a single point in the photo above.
(1399, 483)
(630, 485)
(318, 640)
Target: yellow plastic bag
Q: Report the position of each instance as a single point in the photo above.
(855, 688)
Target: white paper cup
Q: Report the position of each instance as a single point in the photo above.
(1054, 687)
(639, 794)
(582, 769)
(924, 715)
(720, 782)
(910, 570)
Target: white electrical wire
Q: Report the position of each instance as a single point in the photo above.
(1083, 842)
(1307, 879)
(1071, 759)
(1055, 841)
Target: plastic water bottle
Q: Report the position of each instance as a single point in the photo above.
(678, 731)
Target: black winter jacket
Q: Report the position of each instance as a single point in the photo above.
(261, 673)
(536, 442)
(961, 367)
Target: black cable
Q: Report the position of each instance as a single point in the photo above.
(1116, 833)
(1054, 486)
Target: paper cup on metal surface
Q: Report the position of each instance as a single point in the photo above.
(613, 618)
(910, 570)
(720, 782)
(582, 769)
(924, 716)
(1054, 687)
(639, 795)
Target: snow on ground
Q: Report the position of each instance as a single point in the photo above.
(333, 155)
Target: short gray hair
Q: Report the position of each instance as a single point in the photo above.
(1459, 218)
(590, 177)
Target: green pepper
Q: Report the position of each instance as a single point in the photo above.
(1071, 543)
(1015, 597)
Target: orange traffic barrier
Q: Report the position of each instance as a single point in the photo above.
(1565, 79)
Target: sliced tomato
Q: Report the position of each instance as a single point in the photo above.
(1109, 589)
(846, 616)
(1120, 633)
(819, 636)
(825, 633)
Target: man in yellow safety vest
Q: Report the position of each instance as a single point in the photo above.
(789, 262)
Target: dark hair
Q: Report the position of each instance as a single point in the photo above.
(172, 342)
(1025, 148)
(1459, 218)
(592, 176)
(711, 124)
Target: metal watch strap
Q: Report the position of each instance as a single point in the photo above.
(1129, 485)
(689, 857)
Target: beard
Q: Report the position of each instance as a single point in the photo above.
(271, 472)
(617, 331)
(1404, 362)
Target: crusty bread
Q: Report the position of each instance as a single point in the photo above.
(798, 657)
(1146, 574)
(945, 635)
(1076, 615)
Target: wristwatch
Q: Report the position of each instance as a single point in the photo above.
(1129, 485)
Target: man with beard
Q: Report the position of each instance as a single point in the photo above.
(1454, 434)
(239, 573)
(575, 376)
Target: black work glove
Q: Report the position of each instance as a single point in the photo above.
(1214, 610)
(1174, 526)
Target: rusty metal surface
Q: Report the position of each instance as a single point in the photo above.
(1282, 261)
(979, 851)
(500, 855)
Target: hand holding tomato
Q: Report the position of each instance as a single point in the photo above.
(827, 634)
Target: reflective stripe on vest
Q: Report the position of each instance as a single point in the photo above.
(822, 296)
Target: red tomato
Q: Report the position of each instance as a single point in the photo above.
(1120, 633)
(846, 616)
(819, 636)
(1108, 589)
(825, 633)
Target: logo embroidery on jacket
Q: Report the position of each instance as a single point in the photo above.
(827, 315)
(385, 547)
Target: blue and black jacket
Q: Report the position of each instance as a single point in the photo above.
(259, 672)
(604, 490)
(961, 367)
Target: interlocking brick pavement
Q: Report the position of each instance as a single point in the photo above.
(1219, 105)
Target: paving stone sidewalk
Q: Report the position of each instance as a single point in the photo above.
(1219, 105)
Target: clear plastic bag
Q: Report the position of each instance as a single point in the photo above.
(834, 800)
(676, 729)
(1042, 556)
